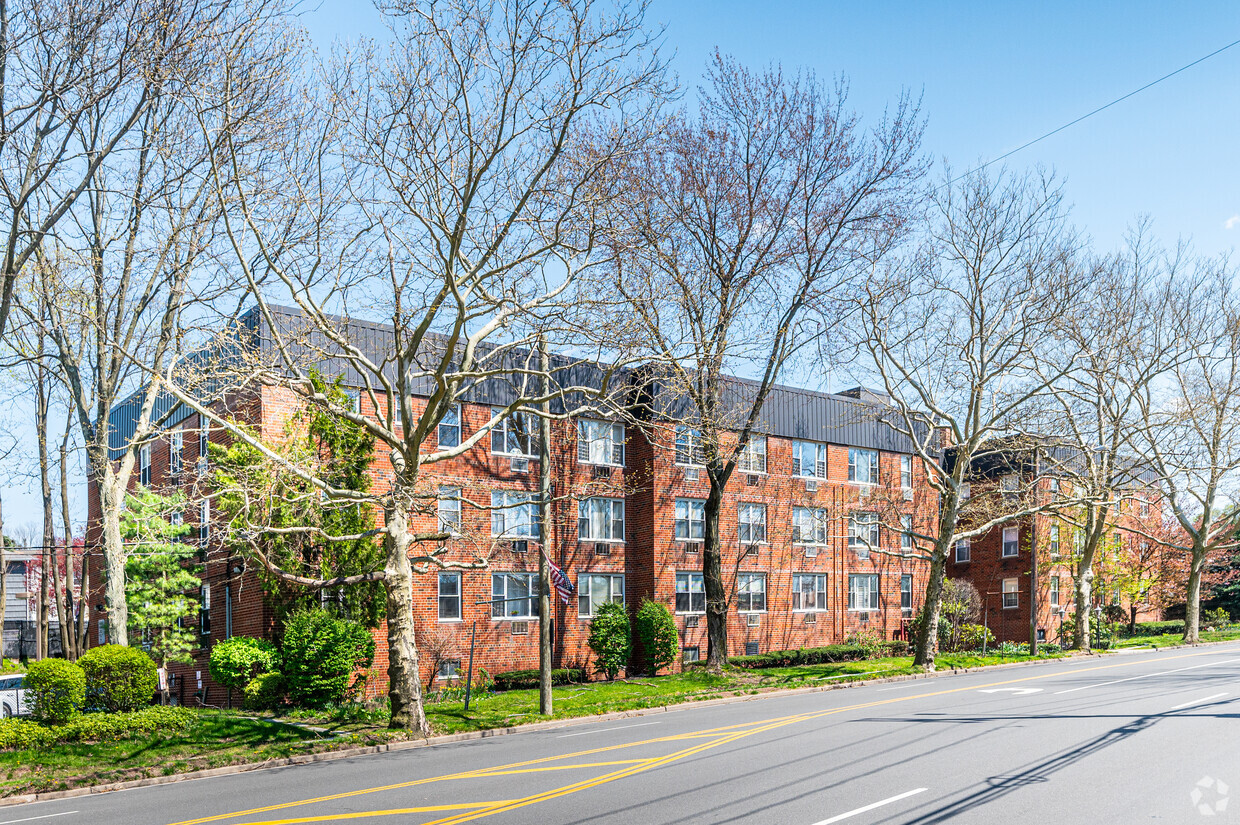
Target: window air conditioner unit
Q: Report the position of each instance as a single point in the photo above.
(908, 493)
(753, 620)
(811, 551)
(811, 618)
(520, 628)
(690, 547)
(520, 546)
(811, 485)
(602, 549)
(692, 474)
(520, 465)
(602, 471)
(692, 621)
(751, 480)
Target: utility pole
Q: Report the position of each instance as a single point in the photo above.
(544, 513)
(1033, 558)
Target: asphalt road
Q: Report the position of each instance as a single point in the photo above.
(1132, 738)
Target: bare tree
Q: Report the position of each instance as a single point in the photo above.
(738, 235)
(445, 187)
(1190, 425)
(950, 332)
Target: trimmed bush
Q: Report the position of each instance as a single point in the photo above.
(1159, 628)
(610, 638)
(528, 679)
(320, 654)
(829, 654)
(24, 734)
(236, 661)
(119, 678)
(56, 690)
(656, 630)
(975, 637)
(264, 692)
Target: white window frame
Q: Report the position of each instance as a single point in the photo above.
(687, 448)
(1054, 591)
(507, 509)
(749, 508)
(749, 588)
(449, 669)
(499, 597)
(1054, 541)
(1011, 588)
(144, 465)
(441, 597)
(595, 437)
(906, 472)
(752, 458)
(204, 522)
(817, 592)
(204, 436)
(818, 522)
(906, 532)
(855, 453)
(967, 547)
(818, 464)
(1009, 483)
(871, 525)
(612, 512)
(695, 516)
(508, 436)
(176, 452)
(1011, 543)
(690, 584)
(586, 603)
(871, 592)
(448, 508)
(966, 491)
(449, 424)
(204, 609)
(906, 588)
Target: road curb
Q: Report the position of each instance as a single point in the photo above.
(554, 724)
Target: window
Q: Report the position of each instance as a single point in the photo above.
(1011, 542)
(514, 595)
(1054, 540)
(966, 490)
(103, 631)
(355, 401)
(963, 551)
(204, 610)
(1054, 591)
(751, 523)
(862, 465)
(144, 465)
(863, 533)
(450, 427)
(595, 590)
(1143, 507)
(450, 510)
(906, 592)
(906, 533)
(809, 460)
(690, 519)
(515, 434)
(751, 648)
(449, 669)
(689, 451)
(1009, 484)
(692, 654)
(753, 455)
(1011, 596)
(751, 592)
(906, 472)
(175, 518)
(809, 525)
(204, 522)
(809, 591)
(600, 442)
(863, 591)
(690, 593)
(449, 597)
(176, 452)
(600, 519)
(1053, 484)
(514, 514)
(204, 434)
(227, 612)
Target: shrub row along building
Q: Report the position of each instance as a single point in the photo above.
(816, 525)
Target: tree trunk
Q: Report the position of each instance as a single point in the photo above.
(1084, 584)
(111, 501)
(927, 633)
(404, 686)
(712, 579)
(1192, 602)
(1132, 619)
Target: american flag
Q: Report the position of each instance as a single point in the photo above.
(560, 582)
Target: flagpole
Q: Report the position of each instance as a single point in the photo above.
(544, 508)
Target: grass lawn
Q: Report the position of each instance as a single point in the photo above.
(1174, 639)
(218, 738)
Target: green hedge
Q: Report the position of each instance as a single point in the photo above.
(265, 691)
(528, 679)
(56, 690)
(27, 734)
(1157, 628)
(119, 678)
(830, 654)
(320, 655)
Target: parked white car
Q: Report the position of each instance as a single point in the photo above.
(13, 696)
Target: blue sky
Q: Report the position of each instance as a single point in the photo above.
(993, 76)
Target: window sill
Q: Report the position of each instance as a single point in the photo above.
(514, 618)
(804, 611)
(451, 621)
(608, 465)
(752, 612)
(863, 610)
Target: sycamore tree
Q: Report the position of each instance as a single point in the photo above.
(161, 577)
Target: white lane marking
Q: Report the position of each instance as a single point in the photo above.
(1145, 676)
(1199, 701)
(1017, 691)
(899, 687)
(33, 818)
(880, 803)
(584, 732)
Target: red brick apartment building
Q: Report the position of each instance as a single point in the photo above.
(1001, 563)
(809, 559)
